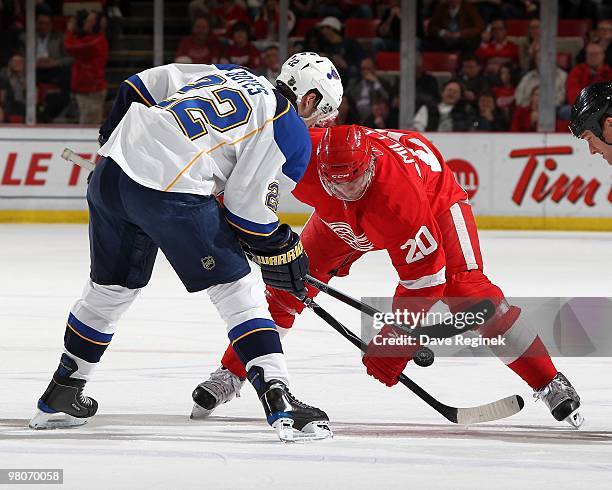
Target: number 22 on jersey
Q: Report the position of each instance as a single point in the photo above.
(227, 109)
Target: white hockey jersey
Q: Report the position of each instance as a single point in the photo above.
(211, 129)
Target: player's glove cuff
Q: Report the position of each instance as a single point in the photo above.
(285, 267)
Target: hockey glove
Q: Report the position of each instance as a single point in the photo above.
(284, 267)
(384, 360)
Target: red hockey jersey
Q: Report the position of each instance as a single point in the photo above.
(411, 187)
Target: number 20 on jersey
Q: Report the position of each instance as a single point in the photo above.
(421, 245)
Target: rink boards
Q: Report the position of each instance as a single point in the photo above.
(534, 181)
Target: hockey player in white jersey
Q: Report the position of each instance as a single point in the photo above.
(177, 138)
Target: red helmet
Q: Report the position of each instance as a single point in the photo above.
(345, 162)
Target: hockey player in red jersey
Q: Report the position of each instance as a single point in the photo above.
(391, 190)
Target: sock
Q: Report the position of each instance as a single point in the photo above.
(523, 351)
(535, 366)
(232, 362)
(256, 343)
(84, 345)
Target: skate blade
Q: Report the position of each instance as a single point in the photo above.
(45, 421)
(200, 413)
(575, 419)
(313, 431)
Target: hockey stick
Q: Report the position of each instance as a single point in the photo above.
(488, 412)
(443, 330)
(72, 157)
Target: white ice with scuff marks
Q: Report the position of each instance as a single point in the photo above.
(385, 438)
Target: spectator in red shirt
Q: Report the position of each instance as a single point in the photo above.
(201, 46)
(229, 13)
(496, 49)
(505, 88)
(593, 70)
(86, 43)
(603, 37)
(242, 52)
(525, 119)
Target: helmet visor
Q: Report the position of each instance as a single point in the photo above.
(349, 191)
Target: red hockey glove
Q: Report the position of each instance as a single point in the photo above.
(384, 359)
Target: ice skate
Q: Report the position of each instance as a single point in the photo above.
(220, 388)
(63, 404)
(562, 400)
(292, 420)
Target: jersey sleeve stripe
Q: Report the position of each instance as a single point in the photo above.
(426, 281)
(250, 227)
(139, 87)
(464, 237)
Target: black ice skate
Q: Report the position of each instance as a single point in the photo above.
(562, 400)
(63, 404)
(293, 420)
(220, 388)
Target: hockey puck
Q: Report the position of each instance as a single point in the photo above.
(424, 357)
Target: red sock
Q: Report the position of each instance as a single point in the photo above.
(535, 365)
(232, 363)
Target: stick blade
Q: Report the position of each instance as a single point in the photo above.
(500, 409)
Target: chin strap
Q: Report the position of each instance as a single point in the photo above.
(319, 120)
(327, 121)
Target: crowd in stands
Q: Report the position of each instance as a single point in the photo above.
(477, 67)
(70, 64)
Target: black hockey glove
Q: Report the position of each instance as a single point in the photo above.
(284, 267)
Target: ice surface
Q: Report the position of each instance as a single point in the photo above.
(385, 438)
